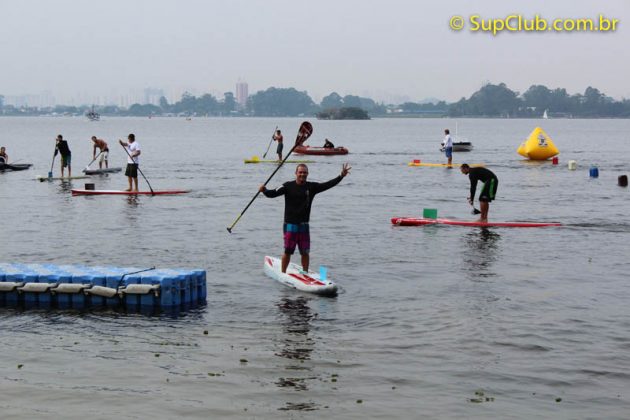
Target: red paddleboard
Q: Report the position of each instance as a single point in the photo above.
(419, 221)
(120, 192)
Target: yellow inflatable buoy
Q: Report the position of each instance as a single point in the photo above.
(538, 146)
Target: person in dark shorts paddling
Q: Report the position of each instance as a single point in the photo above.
(488, 192)
(66, 155)
(278, 137)
(298, 198)
(133, 160)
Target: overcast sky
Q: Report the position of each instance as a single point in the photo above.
(380, 49)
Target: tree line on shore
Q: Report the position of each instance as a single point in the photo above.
(491, 101)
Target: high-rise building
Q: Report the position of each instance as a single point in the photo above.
(241, 94)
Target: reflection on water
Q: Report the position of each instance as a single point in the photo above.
(481, 249)
(296, 346)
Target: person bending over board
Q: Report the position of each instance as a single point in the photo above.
(298, 197)
(104, 152)
(133, 160)
(328, 144)
(488, 192)
(4, 158)
(278, 137)
(66, 155)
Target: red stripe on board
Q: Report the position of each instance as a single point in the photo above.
(307, 280)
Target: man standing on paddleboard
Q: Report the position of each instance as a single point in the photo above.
(133, 160)
(448, 146)
(488, 192)
(278, 137)
(66, 155)
(298, 197)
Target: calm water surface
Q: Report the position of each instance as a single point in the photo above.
(433, 322)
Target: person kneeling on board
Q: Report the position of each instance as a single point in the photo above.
(328, 144)
(488, 192)
(4, 158)
(298, 197)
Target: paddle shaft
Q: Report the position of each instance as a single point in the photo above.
(145, 178)
(301, 138)
(50, 174)
(99, 153)
(270, 141)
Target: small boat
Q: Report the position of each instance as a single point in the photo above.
(122, 192)
(14, 166)
(324, 151)
(101, 171)
(93, 115)
(460, 146)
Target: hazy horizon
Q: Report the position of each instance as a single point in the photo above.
(397, 49)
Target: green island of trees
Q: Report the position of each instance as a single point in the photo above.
(490, 101)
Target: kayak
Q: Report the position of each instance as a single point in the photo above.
(101, 171)
(309, 282)
(276, 161)
(122, 192)
(14, 166)
(58, 178)
(443, 165)
(308, 150)
(419, 221)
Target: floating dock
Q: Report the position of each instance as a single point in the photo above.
(50, 286)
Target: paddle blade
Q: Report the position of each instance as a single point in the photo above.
(305, 131)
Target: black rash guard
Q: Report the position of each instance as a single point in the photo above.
(62, 147)
(298, 198)
(479, 174)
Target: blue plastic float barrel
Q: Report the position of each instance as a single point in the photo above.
(593, 172)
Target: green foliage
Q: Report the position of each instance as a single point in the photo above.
(346, 113)
(280, 102)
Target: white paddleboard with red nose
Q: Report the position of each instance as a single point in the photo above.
(310, 282)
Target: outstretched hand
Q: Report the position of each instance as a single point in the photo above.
(122, 143)
(470, 201)
(345, 169)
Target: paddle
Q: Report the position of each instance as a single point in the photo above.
(270, 141)
(145, 178)
(99, 153)
(305, 131)
(50, 174)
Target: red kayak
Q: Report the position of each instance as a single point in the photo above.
(308, 150)
(121, 192)
(419, 221)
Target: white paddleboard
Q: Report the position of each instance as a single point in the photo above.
(309, 282)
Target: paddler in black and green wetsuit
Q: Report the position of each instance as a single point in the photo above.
(298, 197)
(488, 192)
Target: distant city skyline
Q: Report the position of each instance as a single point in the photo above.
(390, 51)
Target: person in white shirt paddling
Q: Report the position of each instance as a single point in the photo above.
(133, 160)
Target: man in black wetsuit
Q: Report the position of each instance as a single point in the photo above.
(298, 197)
(488, 192)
